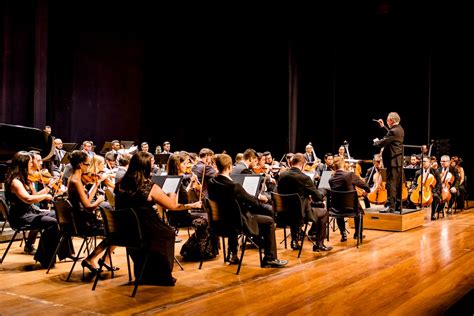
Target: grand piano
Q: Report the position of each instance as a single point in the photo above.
(16, 137)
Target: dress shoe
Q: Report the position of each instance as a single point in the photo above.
(343, 237)
(29, 249)
(232, 258)
(433, 217)
(321, 248)
(387, 210)
(273, 263)
(89, 266)
(108, 267)
(295, 245)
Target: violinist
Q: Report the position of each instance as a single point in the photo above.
(203, 169)
(189, 190)
(347, 181)
(435, 189)
(21, 195)
(449, 181)
(84, 205)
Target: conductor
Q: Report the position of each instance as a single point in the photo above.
(392, 155)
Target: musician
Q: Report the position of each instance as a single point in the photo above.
(435, 191)
(137, 191)
(87, 148)
(47, 129)
(238, 158)
(21, 195)
(392, 156)
(346, 181)
(203, 169)
(167, 148)
(144, 147)
(223, 188)
(327, 165)
(309, 154)
(342, 152)
(59, 153)
(443, 171)
(249, 161)
(413, 162)
(295, 181)
(268, 158)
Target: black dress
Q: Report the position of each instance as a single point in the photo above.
(160, 236)
(21, 213)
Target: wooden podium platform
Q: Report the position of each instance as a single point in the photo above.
(410, 218)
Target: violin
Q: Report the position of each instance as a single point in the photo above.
(44, 177)
(378, 192)
(89, 177)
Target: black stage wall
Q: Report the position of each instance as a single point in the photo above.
(127, 71)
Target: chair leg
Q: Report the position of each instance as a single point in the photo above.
(128, 265)
(302, 240)
(223, 250)
(3, 227)
(76, 259)
(101, 265)
(242, 255)
(179, 263)
(8, 247)
(138, 280)
(53, 258)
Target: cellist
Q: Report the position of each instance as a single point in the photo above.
(435, 190)
(450, 180)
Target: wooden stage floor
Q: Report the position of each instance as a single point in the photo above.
(423, 271)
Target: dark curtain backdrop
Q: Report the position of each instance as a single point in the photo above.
(127, 72)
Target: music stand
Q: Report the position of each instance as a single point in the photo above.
(168, 183)
(69, 146)
(66, 158)
(127, 143)
(106, 148)
(162, 159)
(310, 174)
(324, 181)
(250, 182)
(409, 173)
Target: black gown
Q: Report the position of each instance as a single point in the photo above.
(161, 237)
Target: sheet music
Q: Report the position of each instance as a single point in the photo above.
(251, 185)
(171, 185)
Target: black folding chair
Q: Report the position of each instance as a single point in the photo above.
(122, 229)
(225, 220)
(342, 204)
(16, 229)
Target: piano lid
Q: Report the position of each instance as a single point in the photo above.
(14, 138)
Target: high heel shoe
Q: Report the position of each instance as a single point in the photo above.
(89, 266)
(109, 268)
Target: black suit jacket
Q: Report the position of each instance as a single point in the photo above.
(392, 144)
(222, 189)
(295, 181)
(346, 181)
(241, 168)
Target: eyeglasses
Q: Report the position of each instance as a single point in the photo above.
(86, 164)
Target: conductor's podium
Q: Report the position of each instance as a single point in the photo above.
(408, 219)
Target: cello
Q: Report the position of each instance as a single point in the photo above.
(447, 180)
(378, 192)
(424, 187)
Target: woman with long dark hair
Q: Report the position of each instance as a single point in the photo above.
(136, 190)
(21, 195)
